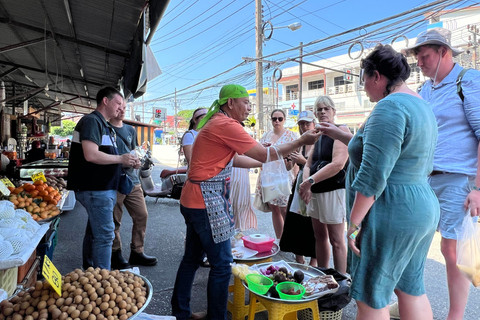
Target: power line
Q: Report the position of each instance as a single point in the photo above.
(204, 29)
(178, 15)
(173, 35)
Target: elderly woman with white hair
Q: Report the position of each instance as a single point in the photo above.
(323, 189)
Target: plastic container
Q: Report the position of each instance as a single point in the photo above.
(70, 201)
(287, 285)
(263, 246)
(8, 280)
(258, 283)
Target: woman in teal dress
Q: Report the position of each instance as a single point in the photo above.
(393, 210)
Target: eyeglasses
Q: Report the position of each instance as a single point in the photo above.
(280, 119)
(319, 109)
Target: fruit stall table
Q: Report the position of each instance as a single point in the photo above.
(237, 306)
(280, 309)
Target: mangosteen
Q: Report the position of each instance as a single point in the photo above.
(298, 276)
(283, 269)
(280, 277)
(273, 292)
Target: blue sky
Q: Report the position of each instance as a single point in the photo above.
(199, 39)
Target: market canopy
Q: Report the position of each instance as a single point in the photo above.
(56, 54)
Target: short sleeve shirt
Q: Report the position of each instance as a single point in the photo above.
(126, 142)
(82, 174)
(215, 145)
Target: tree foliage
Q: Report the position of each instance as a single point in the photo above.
(67, 130)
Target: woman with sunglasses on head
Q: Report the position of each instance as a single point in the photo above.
(279, 135)
(393, 209)
(323, 189)
(189, 136)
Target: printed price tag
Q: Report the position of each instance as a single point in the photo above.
(3, 188)
(7, 182)
(38, 176)
(52, 275)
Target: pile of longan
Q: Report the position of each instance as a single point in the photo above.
(95, 294)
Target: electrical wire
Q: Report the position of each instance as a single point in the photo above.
(173, 35)
(213, 25)
(178, 15)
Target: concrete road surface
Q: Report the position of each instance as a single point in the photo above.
(165, 238)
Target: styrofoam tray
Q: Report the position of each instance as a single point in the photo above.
(240, 252)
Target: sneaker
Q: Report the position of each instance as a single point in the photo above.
(394, 311)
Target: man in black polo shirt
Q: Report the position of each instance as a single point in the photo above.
(93, 173)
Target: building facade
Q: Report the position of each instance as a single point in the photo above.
(352, 104)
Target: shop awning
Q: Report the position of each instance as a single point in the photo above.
(73, 48)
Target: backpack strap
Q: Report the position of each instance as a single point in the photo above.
(459, 83)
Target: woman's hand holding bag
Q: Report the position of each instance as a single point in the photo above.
(275, 178)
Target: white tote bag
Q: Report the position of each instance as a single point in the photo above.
(275, 179)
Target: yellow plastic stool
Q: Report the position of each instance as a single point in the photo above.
(278, 310)
(237, 306)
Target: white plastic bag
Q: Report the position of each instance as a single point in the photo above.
(468, 250)
(275, 179)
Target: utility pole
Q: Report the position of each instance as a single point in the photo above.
(300, 79)
(175, 120)
(259, 67)
(474, 31)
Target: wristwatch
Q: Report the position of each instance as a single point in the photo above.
(310, 179)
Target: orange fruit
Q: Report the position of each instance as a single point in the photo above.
(38, 182)
(42, 193)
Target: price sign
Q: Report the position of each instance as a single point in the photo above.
(38, 176)
(3, 188)
(7, 182)
(52, 275)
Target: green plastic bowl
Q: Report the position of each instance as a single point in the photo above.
(287, 285)
(258, 283)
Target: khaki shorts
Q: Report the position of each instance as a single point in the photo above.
(328, 207)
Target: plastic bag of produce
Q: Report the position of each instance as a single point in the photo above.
(468, 250)
(275, 178)
(7, 210)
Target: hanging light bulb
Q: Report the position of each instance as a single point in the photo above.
(61, 102)
(56, 99)
(46, 87)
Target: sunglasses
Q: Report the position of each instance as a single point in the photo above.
(280, 119)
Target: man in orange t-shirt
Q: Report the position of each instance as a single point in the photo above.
(204, 203)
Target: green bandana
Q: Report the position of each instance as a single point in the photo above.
(228, 91)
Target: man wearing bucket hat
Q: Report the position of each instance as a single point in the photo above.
(455, 177)
(205, 197)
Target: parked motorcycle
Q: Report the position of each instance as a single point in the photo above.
(171, 179)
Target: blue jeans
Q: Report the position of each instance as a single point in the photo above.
(98, 239)
(199, 241)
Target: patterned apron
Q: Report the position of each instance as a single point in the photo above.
(216, 193)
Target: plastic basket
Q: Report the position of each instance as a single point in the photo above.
(258, 283)
(47, 249)
(289, 285)
(306, 314)
(8, 280)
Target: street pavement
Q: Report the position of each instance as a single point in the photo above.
(165, 240)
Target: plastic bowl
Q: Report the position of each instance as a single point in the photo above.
(287, 285)
(258, 283)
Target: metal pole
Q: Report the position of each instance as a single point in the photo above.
(175, 121)
(259, 67)
(300, 79)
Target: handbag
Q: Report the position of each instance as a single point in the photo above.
(125, 184)
(275, 178)
(177, 188)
